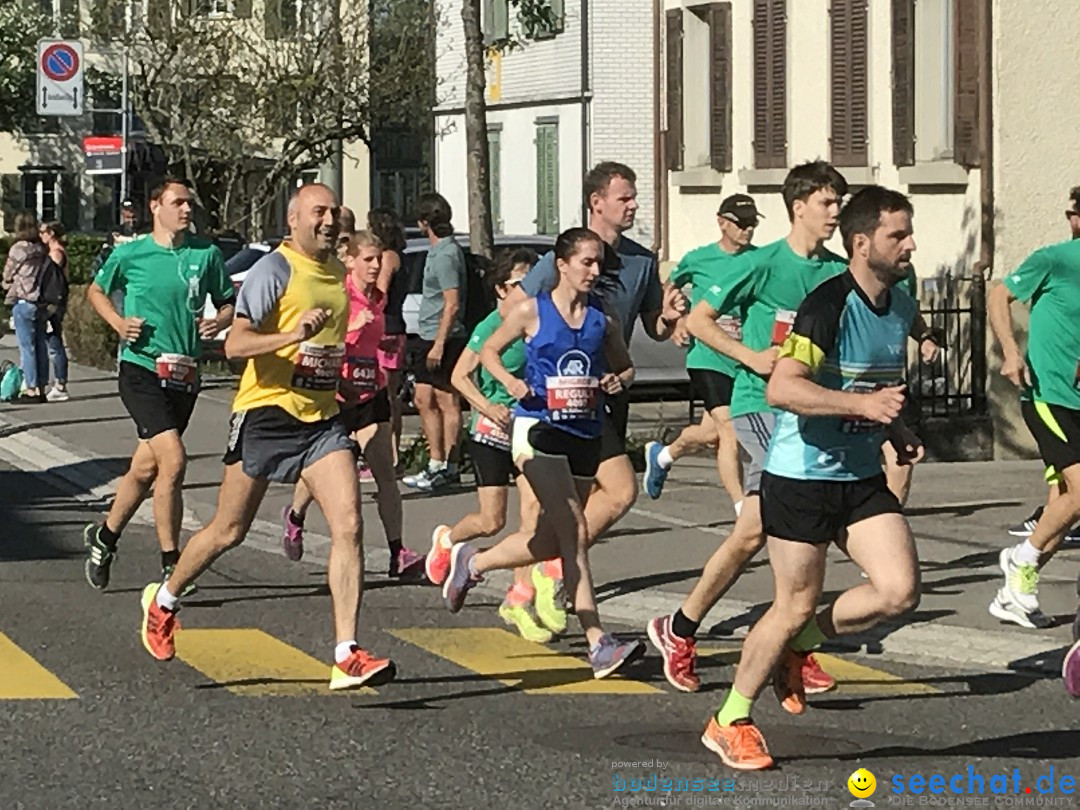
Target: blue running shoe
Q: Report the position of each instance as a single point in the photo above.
(655, 475)
(610, 654)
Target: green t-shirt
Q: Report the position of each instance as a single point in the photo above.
(513, 357)
(1050, 279)
(767, 285)
(701, 268)
(167, 288)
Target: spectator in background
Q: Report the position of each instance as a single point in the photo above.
(127, 228)
(52, 236)
(22, 287)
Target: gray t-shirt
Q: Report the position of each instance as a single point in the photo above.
(444, 269)
(639, 291)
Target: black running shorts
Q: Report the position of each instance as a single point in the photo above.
(372, 412)
(713, 387)
(494, 466)
(154, 409)
(1057, 433)
(819, 511)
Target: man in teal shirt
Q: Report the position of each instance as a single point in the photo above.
(712, 374)
(767, 285)
(165, 278)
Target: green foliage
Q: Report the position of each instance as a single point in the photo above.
(21, 26)
(82, 249)
(90, 341)
(414, 456)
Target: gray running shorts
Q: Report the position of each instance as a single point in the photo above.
(273, 444)
(753, 431)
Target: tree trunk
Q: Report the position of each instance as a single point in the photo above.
(476, 140)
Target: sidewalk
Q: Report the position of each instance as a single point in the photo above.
(650, 560)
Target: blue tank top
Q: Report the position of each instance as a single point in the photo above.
(563, 367)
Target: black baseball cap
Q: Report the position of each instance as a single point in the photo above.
(739, 208)
(127, 204)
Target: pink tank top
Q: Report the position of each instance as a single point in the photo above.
(362, 375)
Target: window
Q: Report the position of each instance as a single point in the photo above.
(849, 112)
(554, 21)
(495, 176)
(547, 177)
(770, 84)
(495, 20)
(41, 193)
(935, 81)
(281, 18)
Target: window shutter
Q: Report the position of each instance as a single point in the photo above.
(242, 9)
(848, 80)
(500, 21)
(720, 86)
(157, 17)
(70, 201)
(966, 101)
(272, 19)
(770, 84)
(673, 137)
(495, 177)
(903, 82)
(547, 179)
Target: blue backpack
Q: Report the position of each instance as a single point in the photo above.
(11, 381)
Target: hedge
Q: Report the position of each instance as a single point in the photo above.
(89, 340)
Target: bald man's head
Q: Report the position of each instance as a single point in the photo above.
(313, 216)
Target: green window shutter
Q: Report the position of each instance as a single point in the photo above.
(158, 17)
(242, 9)
(272, 19)
(495, 177)
(500, 20)
(547, 178)
(70, 201)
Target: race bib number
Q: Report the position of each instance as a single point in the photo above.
(570, 398)
(318, 368)
(731, 325)
(856, 424)
(489, 433)
(361, 375)
(178, 372)
(781, 328)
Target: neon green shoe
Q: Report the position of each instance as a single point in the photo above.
(548, 603)
(522, 618)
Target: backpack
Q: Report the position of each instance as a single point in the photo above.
(478, 304)
(54, 288)
(11, 381)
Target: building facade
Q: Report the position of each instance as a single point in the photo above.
(559, 101)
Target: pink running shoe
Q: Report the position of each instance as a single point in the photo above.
(407, 564)
(437, 564)
(293, 538)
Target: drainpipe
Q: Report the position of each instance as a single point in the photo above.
(984, 268)
(586, 105)
(659, 153)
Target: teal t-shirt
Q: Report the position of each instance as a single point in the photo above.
(701, 268)
(767, 285)
(1050, 280)
(513, 357)
(167, 287)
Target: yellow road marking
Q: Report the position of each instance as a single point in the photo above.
(250, 662)
(505, 657)
(851, 678)
(23, 678)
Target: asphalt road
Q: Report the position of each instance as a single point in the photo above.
(475, 719)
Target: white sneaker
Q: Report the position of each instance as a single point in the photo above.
(1007, 610)
(57, 394)
(1021, 581)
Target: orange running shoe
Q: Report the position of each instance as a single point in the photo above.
(788, 682)
(361, 669)
(741, 745)
(815, 679)
(159, 626)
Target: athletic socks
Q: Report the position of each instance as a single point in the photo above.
(736, 707)
(169, 558)
(1027, 553)
(738, 508)
(664, 459)
(295, 519)
(552, 569)
(809, 638)
(520, 593)
(436, 466)
(395, 548)
(165, 600)
(343, 650)
(682, 626)
(108, 537)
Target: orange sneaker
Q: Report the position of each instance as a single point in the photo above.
(159, 626)
(741, 745)
(815, 679)
(361, 669)
(788, 682)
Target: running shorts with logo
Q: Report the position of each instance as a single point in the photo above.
(562, 416)
(1050, 280)
(489, 443)
(286, 412)
(823, 473)
(167, 288)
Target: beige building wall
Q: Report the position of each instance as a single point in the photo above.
(356, 179)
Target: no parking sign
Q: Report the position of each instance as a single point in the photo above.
(59, 77)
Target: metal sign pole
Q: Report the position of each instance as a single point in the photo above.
(124, 106)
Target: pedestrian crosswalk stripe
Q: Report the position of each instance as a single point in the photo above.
(23, 678)
(503, 656)
(250, 662)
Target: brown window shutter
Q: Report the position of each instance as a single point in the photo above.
(770, 84)
(903, 82)
(720, 86)
(673, 137)
(966, 72)
(849, 111)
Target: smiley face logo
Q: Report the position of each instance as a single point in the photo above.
(861, 783)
